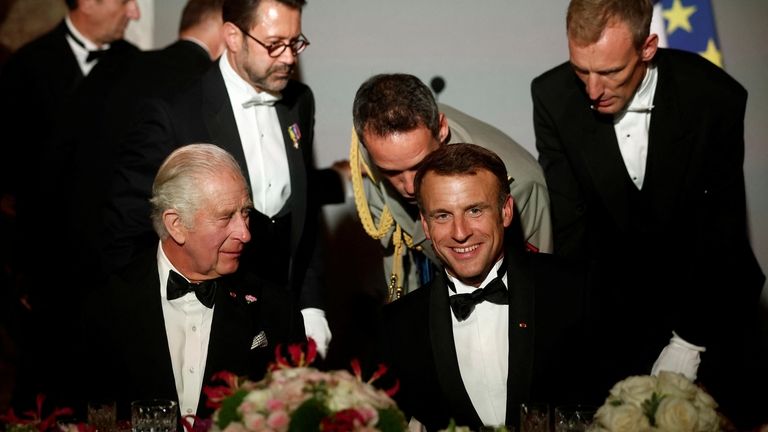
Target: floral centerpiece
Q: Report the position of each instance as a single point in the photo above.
(669, 402)
(296, 397)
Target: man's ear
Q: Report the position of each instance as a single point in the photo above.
(507, 211)
(650, 47)
(233, 37)
(174, 226)
(444, 131)
(424, 225)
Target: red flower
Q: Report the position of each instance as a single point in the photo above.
(36, 418)
(298, 357)
(215, 395)
(343, 421)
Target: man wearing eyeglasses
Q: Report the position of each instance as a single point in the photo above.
(247, 104)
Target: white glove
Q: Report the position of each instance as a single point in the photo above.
(679, 356)
(316, 327)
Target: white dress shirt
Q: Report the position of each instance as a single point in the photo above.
(632, 125)
(482, 347)
(188, 326)
(262, 142)
(80, 52)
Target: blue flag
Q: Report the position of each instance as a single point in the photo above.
(690, 25)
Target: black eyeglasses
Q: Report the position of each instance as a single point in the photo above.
(276, 49)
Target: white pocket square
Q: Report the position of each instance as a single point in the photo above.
(260, 340)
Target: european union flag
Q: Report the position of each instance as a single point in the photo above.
(690, 26)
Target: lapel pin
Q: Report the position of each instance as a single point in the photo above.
(295, 133)
(522, 325)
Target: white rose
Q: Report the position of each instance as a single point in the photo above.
(635, 389)
(255, 400)
(622, 418)
(676, 415)
(676, 385)
(704, 401)
(709, 420)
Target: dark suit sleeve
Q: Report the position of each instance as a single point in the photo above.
(566, 201)
(127, 213)
(720, 238)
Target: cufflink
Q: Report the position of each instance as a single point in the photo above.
(260, 340)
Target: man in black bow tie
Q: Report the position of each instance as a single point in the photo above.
(178, 314)
(249, 104)
(498, 326)
(38, 84)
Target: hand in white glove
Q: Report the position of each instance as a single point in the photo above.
(679, 356)
(316, 327)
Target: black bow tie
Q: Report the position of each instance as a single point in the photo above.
(495, 292)
(92, 55)
(177, 287)
(96, 55)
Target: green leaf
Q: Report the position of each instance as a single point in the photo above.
(307, 416)
(391, 420)
(650, 406)
(228, 410)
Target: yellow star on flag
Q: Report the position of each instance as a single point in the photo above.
(712, 53)
(679, 17)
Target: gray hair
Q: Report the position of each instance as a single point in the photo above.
(180, 179)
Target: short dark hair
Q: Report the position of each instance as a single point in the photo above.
(463, 159)
(587, 19)
(242, 12)
(71, 4)
(389, 103)
(197, 11)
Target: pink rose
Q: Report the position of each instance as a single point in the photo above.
(275, 405)
(278, 420)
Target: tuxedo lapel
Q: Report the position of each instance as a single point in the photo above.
(219, 118)
(670, 143)
(293, 139)
(601, 155)
(69, 75)
(445, 358)
(142, 334)
(521, 335)
(231, 335)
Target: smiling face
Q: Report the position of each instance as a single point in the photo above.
(213, 241)
(611, 68)
(461, 215)
(275, 23)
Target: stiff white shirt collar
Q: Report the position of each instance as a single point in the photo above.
(482, 348)
(188, 328)
(632, 125)
(80, 52)
(262, 141)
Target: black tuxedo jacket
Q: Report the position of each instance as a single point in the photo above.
(105, 106)
(127, 344)
(677, 252)
(548, 321)
(37, 87)
(203, 114)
